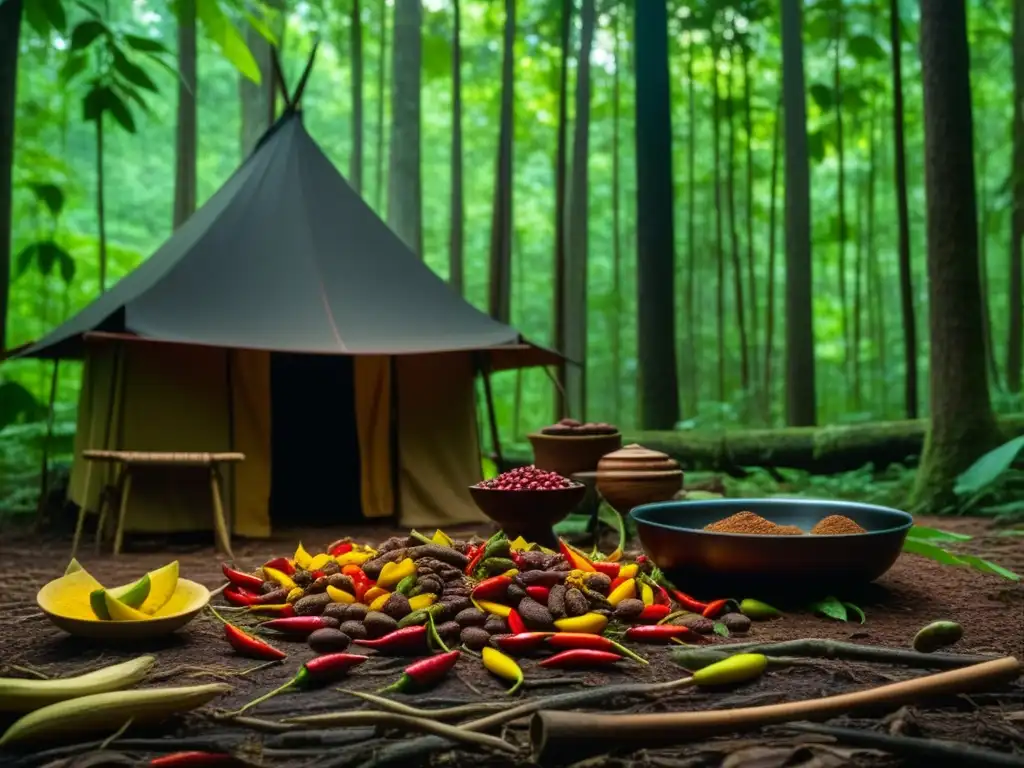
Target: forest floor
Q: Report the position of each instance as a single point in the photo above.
(915, 592)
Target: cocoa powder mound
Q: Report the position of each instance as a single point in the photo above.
(836, 525)
(748, 522)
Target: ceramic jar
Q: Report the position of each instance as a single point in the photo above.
(635, 475)
(569, 454)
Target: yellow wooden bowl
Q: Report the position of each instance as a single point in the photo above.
(66, 602)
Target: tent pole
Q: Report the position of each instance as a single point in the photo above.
(491, 415)
(112, 410)
(396, 462)
(229, 375)
(44, 469)
(301, 87)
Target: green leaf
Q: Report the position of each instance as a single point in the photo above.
(49, 254)
(90, 9)
(864, 47)
(36, 17)
(987, 566)
(988, 468)
(24, 258)
(1011, 532)
(720, 629)
(116, 106)
(831, 607)
(573, 525)
(131, 71)
(223, 34)
(931, 551)
(822, 96)
(51, 196)
(856, 611)
(85, 34)
(488, 468)
(92, 102)
(613, 519)
(934, 534)
(816, 146)
(145, 44)
(16, 403)
(74, 65)
(53, 10)
(67, 267)
(262, 27)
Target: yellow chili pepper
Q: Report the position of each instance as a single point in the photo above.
(646, 593)
(373, 593)
(511, 572)
(519, 544)
(302, 557)
(735, 669)
(275, 608)
(422, 601)
(353, 558)
(588, 624)
(319, 561)
(628, 571)
(625, 591)
(495, 608)
(379, 601)
(392, 573)
(295, 594)
(615, 556)
(340, 595)
(497, 663)
(280, 577)
(442, 538)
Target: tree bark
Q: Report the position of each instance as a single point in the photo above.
(903, 219)
(561, 162)
(456, 237)
(658, 391)
(185, 137)
(382, 70)
(734, 240)
(101, 213)
(837, 93)
(405, 185)
(10, 32)
(577, 247)
(986, 305)
(615, 320)
(692, 360)
(800, 387)
(753, 303)
(872, 277)
(716, 114)
(258, 101)
(769, 323)
(500, 284)
(1015, 337)
(858, 294)
(355, 165)
(962, 425)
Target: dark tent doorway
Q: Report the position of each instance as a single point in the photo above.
(315, 469)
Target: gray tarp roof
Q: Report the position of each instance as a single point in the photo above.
(286, 256)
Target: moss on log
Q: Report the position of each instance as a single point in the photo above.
(822, 450)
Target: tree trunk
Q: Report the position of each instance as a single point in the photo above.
(769, 323)
(986, 309)
(405, 198)
(1015, 338)
(561, 162)
(692, 360)
(716, 113)
(872, 277)
(837, 93)
(500, 284)
(355, 165)
(748, 128)
(577, 246)
(615, 320)
(10, 32)
(382, 81)
(658, 391)
(101, 214)
(962, 425)
(185, 139)
(734, 240)
(258, 107)
(858, 294)
(903, 218)
(800, 388)
(456, 269)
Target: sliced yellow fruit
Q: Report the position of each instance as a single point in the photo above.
(120, 612)
(73, 566)
(163, 582)
(302, 557)
(133, 595)
(340, 595)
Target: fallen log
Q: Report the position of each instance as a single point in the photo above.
(821, 450)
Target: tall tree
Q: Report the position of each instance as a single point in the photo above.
(258, 99)
(457, 227)
(355, 161)
(837, 95)
(561, 167)
(657, 388)
(801, 406)
(500, 285)
(690, 354)
(748, 132)
(903, 217)
(769, 323)
(734, 240)
(962, 425)
(1015, 337)
(10, 32)
(185, 137)
(382, 70)
(716, 121)
(578, 200)
(616, 305)
(405, 186)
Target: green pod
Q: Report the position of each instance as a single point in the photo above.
(406, 585)
(497, 548)
(493, 566)
(936, 635)
(758, 611)
(421, 616)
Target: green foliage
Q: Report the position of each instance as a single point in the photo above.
(228, 39)
(991, 485)
(17, 404)
(921, 541)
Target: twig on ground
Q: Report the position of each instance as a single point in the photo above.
(31, 617)
(29, 671)
(443, 713)
(117, 734)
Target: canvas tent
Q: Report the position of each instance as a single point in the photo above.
(286, 321)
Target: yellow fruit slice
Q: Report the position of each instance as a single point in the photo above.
(120, 612)
(73, 567)
(302, 557)
(163, 582)
(319, 561)
(133, 595)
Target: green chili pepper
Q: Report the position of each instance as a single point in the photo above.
(421, 616)
(405, 585)
(496, 565)
(497, 548)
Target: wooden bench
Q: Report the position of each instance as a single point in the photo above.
(126, 461)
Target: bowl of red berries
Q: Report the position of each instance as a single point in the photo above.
(527, 502)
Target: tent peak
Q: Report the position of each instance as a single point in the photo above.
(292, 99)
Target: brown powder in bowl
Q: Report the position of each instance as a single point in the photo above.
(836, 524)
(747, 522)
(790, 530)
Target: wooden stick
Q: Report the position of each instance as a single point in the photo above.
(576, 732)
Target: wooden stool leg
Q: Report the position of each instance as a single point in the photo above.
(107, 497)
(119, 536)
(220, 526)
(80, 523)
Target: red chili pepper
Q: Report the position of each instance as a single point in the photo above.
(425, 672)
(516, 623)
(582, 641)
(319, 671)
(193, 759)
(241, 579)
(618, 581)
(494, 588)
(408, 641)
(687, 602)
(654, 612)
(282, 564)
(661, 595)
(714, 608)
(539, 593)
(581, 657)
(318, 574)
(575, 559)
(610, 570)
(298, 625)
(340, 548)
(474, 560)
(246, 644)
(241, 597)
(524, 643)
(661, 633)
(281, 610)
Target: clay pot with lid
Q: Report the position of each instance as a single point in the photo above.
(635, 475)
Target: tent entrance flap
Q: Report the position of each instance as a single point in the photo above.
(315, 464)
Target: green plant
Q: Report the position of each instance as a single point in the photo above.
(921, 541)
(837, 609)
(992, 479)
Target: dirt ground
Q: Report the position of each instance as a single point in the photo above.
(915, 592)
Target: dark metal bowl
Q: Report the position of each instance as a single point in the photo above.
(706, 563)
